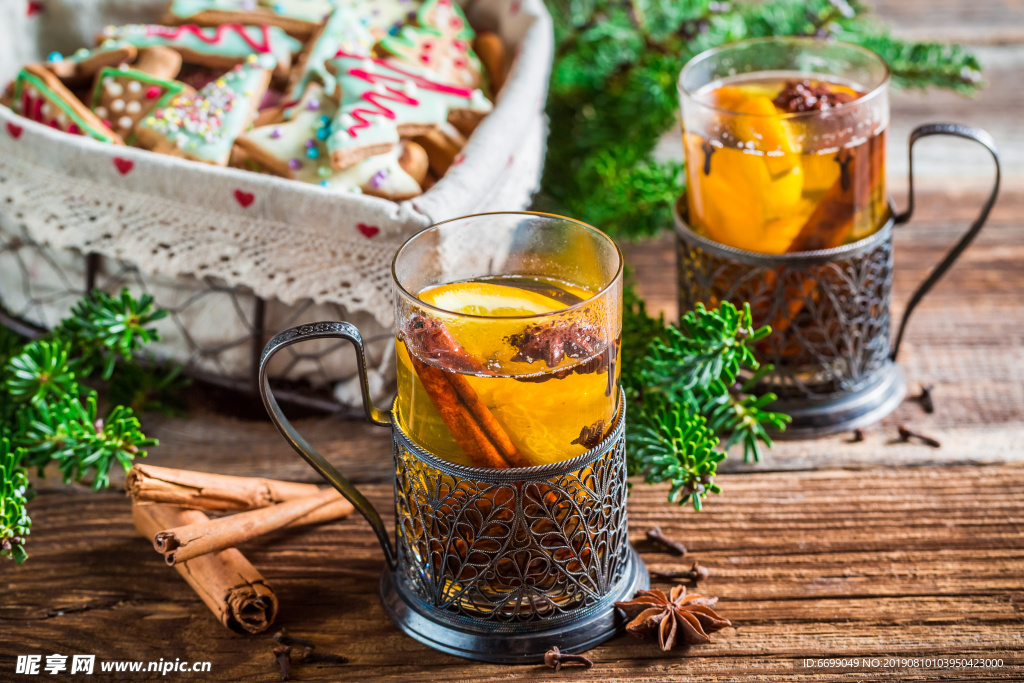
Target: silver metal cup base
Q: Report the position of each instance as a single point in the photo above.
(491, 642)
(844, 412)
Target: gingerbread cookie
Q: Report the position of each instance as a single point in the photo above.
(299, 18)
(440, 41)
(441, 145)
(222, 46)
(296, 149)
(204, 126)
(491, 50)
(342, 31)
(159, 62)
(122, 97)
(39, 95)
(81, 66)
(381, 101)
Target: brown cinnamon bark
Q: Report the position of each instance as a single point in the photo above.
(473, 426)
(202, 490)
(235, 592)
(832, 219)
(186, 542)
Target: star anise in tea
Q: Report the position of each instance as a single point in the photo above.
(802, 95)
(553, 342)
(678, 618)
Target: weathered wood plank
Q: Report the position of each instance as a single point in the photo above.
(873, 563)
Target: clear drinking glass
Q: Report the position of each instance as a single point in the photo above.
(508, 329)
(785, 144)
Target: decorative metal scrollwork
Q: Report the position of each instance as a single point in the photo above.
(829, 310)
(526, 548)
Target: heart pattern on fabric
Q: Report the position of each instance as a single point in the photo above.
(123, 165)
(33, 8)
(14, 130)
(367, 230)
(244, 199)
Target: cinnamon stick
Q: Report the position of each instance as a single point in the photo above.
(151, 484)
(235, 592)
(186, 542)
(832, 219)
(470, 422)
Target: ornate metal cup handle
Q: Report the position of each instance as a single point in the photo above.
(985, 140)
(327, 330)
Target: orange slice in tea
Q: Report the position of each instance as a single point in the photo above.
(489, 299)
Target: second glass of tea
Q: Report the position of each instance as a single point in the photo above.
(508, 330)
(785, 144)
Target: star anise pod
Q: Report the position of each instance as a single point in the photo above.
(553, 342)
(677, 617)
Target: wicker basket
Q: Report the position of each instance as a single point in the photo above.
(232, 272)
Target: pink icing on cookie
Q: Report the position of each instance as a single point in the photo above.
(391, 92)
(175, 32)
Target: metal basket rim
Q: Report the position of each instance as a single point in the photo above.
(687, 234)
(515, 474)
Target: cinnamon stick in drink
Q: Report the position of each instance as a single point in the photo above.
(235, 592)
(473, 426)
(206, 491)
(186, 542)
(831, 221)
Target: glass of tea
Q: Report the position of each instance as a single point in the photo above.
(509, 437)
(785, 144)
(508, 339)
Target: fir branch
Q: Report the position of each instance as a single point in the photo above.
(41, 372)
(47, 416)
(14, 519)
(102, 328)
(688, 403)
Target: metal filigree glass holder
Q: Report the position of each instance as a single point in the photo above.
(493, 564)
(835, 368)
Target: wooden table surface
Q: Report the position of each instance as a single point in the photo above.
(827, 550)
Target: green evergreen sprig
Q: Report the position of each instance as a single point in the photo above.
(49, 416)
(613, 91)
(689, 401)
(14, 519)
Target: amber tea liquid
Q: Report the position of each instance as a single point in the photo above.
(485, 375)
(777, 168)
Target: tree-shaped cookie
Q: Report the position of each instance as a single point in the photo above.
(39, 95)
(441, 41)
(123, 97)
(381, 101)
(297, 149)
(204, 126)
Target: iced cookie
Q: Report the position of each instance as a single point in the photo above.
(296, 149)
(203, 126)
(491, 50)
(440, 40)
(342, 31)
(160, 62)
(122, 97)
(381, 101)
(81, 66)
(222, 46)
(299, 18)
(39, 95)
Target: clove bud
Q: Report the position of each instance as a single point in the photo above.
(658, 537)
(555, 659)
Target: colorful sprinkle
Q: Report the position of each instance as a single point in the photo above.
(312, 153)
(324, 172)
(275, 134)
(55, 57)
(313, 104)
(294, 164)
(379, 177)
(152, 93)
